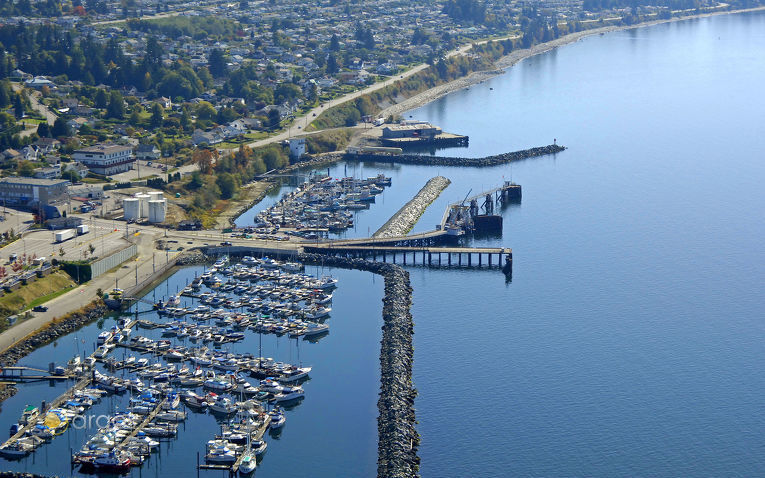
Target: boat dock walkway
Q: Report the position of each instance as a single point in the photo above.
(17, 374)
(83, 383)
(234, 468)
(149, 418)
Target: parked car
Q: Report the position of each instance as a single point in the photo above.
(40, 308)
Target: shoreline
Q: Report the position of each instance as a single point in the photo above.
(504, 63)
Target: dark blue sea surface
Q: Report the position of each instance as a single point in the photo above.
(631, 338)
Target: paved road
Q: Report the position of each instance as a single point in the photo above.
(36, 105)
(148, 260)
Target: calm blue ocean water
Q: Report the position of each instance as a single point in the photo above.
(630, 340)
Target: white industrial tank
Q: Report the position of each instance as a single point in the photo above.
(132, 207)
(157, 211)
(155, 195)
(143, 204)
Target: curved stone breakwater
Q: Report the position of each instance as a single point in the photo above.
(456, 161)
(398, 439)
(405, 218)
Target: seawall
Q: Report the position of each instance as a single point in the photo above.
(405, 218)
(398, 439)
(457, 161)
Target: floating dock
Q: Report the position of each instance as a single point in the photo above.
(84, 383)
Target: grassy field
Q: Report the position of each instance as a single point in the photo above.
(35, 293)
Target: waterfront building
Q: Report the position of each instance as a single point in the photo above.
(106, 159)
(32, 192)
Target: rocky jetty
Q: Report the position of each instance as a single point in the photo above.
(193, 257)
(398, 439)
(456, 161)
(406, 217)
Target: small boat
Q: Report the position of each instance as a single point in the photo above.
(194, 400)
(277, 418)
(249, 463)
(29, 414)
(112, 463)
(219, 454)
(104, 337)
(172, 416)
(315, 329)
(14, 451)
(223, 405)
(174, 355)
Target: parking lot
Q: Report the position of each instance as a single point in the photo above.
(41, 243)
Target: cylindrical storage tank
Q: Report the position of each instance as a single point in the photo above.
(132, 207)
(157, 211)
(143, 204)
(155, 195)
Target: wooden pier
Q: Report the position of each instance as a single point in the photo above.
(17, 374)
(85, 382)
(233, 469)
(149, 418)
(429, 256)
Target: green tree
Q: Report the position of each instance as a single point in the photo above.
(101, 99)
(274, 118)
(227, 185)
(18, 106)
(70, 175)
(26, 169)
(217, 63)
(334, 43)
(157, 115)
(332, 66)
(116, 107)
(206, 111)
(60, 128)
(353, 117)
(43, 130)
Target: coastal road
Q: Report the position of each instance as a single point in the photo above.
(300, 122)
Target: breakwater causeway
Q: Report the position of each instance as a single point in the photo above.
(404, 220)
(457, 161)
(398, 439)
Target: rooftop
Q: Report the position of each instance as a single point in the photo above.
(105, 148)
(32, 181)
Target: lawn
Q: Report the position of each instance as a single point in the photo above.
(35, 293)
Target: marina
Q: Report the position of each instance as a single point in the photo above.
(611, 307)
(254, 391)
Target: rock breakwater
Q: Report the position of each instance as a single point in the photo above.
(193, 257)
(398, 439)
(457, 161)
(406, 217)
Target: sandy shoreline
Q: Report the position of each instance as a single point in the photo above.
(515, 56)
